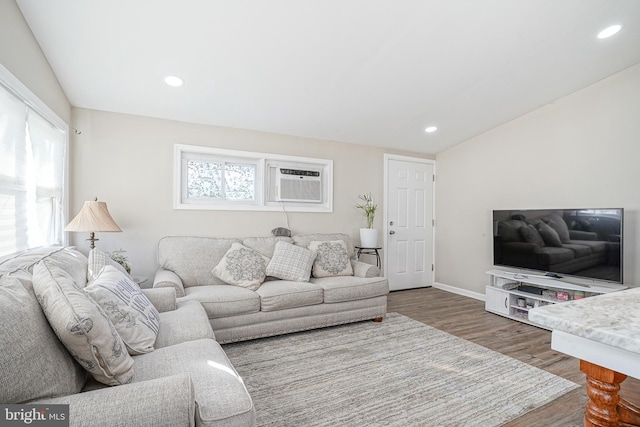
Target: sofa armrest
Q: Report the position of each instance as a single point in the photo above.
(163, 299)
(362, 269)
(166, 402)
(168, 279)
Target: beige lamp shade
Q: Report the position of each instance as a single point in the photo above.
(93, 217)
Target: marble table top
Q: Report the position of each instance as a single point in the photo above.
(612, 319)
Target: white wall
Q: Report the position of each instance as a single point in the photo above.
(22, 56)
(127, 161)
(581, 151)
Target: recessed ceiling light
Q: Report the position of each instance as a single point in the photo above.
(431, 129)
(609, 31)
(174, 81)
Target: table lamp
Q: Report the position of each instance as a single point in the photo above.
(93, 217)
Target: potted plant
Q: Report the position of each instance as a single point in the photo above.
(369, 235)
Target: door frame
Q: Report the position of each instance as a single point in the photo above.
(385, 227)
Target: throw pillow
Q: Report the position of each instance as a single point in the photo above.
(98, 260)
(549, 235)
(531, 235)
(291, 262)
(556, 222)
(82, 326)
(332, 259)
(242, 266)
(134, 316)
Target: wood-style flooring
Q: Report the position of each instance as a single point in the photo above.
(466, 318)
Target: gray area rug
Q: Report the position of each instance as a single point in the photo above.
(400, 372)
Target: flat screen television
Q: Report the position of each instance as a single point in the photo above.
(581, 243)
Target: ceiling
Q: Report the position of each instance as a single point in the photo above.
(373, 72)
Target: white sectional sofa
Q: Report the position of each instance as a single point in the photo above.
(277, 306)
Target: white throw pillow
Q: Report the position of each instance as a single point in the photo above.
(82, 326)
(98, 260)
(242, 266)
(136, 319)
(291, 262)
(332, 258)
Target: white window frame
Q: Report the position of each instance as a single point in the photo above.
(263, 161)
(9, 82)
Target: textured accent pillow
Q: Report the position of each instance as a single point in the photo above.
(33, 362)
(291, 262)
(549, 235)
(98, 260)
(134, 316)
(556, 222)
(82, 326)
(242, 266)
(332, 259)
(531, 235)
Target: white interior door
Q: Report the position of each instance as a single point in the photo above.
(409, 222)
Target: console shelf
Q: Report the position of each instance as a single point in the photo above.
(513, 294)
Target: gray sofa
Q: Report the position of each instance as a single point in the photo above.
(187, 380)
(276, 306)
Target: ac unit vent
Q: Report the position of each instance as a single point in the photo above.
(297, 185)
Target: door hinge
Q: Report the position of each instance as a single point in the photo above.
(433, 267)
(434, 177)
(433, 222)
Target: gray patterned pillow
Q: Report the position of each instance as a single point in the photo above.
(291, 262)
(82, 326)
(332, 259)
(242, 266)
(135, 318)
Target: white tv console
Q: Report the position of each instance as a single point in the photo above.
(512, 294)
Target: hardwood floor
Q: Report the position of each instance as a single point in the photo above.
(466, 318)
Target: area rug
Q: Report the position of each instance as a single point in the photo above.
(399, 372)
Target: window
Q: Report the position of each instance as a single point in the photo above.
(33, 150)
(212, 178)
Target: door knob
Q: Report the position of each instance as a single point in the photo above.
(392, 232)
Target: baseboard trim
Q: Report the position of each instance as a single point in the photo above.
(463, 292)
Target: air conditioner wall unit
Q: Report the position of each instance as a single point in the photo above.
(298, 185)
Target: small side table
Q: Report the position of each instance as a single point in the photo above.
(369, 251)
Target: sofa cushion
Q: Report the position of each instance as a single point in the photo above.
(265, 245)
(135, 318)
(291, 262)
(332, 258)
(531, 235)
(556, 222)
(33, 362)
(220, 394)
(82, 326)
(98, 260)
(550, 255)
(283, 294)
(549, 235)
(242, 266)
(305, 239)
(193, 258)
(224, 300)
(350, 288)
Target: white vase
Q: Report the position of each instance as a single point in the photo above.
(368, 238)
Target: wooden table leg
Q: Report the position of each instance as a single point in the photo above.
(603, 386)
